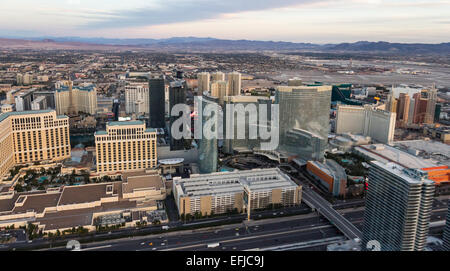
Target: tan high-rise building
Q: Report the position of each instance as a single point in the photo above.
(217, 76)
(19, 79)
(125, 146)
(234, 81)
(31, 136)
(367, 121)
(403, 109)
(391, 103)
(28, 79)
(424, 106)
(203, 81)
(220, 89)
(70, 99)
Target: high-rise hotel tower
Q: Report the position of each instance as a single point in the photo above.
(125, 146)
(398, 208)
(32, 136)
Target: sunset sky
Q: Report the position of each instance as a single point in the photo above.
(318, 21)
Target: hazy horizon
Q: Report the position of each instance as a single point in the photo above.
(174, 37)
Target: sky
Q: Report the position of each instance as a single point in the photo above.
(316, 21)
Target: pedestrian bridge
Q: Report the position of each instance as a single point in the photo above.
(323, 207)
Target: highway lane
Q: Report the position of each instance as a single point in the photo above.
(243, 236)
(268, 239)
(304, 226)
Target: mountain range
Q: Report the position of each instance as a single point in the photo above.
(212, 44)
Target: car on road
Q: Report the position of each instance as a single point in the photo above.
(213, 245)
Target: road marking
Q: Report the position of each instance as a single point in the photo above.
(250, 237)
(94, 248)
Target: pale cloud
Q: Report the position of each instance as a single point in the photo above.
(289, 20)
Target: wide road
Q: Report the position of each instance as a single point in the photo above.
(306, 232)
(240, 236)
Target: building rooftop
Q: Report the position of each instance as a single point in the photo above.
(32, 205)
(141, 180)
(101, 133)
(86, 87)
(412, 176)
(3, 116)
(318, 88)
(233, 182)
(385, 153)
(123, 123)
(85, 193)
(427, 149)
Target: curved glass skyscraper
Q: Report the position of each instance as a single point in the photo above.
(208, 150)
(304, 120)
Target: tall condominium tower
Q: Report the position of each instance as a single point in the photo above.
(217, 76)
(425, 106)
(391, 102)
(203, 82)
(403, 109)
(431, 105)
(28, 79)
(137, 98)
(446, 244)
(177, 95)
(220, 89)
(19, 79)
(398, 207)
(304, 119)
(208, 148)
(125, 146)
(116, 109)
(232, 145)
(234, 81)
(32, 136)
(157, 102)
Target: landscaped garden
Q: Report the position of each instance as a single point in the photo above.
(351, 162)
(43, 179)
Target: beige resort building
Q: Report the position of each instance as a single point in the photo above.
(125, 146)
(32, 136)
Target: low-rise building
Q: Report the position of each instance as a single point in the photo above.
(330, 175)
(434, 170)
(224, 192)
(439, 133)
(72, 206)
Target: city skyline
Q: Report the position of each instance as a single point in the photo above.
(317, 21)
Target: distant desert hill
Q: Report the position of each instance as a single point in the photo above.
(48, 44)
(212, 44)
